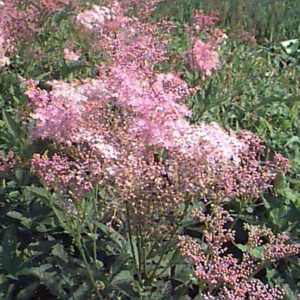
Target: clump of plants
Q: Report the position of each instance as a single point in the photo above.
(136, 201)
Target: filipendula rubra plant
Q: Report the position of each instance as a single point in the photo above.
(220, 274)
(21, 20)
(128, 133)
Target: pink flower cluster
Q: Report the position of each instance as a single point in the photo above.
(203, 58)
(128, 131)
(223, 275)
(127, 41)
(63, 175)
(8, 162)
(20, 21)
(4, 60)
(202, 20)
(70, 55)
(129, 114)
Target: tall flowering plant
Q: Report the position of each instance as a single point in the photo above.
(127, 133)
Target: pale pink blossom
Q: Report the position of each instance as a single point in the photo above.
(202, 20)
(203, 58)
(70, 55)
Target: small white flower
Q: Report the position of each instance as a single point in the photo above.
(4, 61)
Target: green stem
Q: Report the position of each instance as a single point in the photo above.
(139, 247)
(128, 217)
(170, 241)
(143, 253)
(82, 253)
(95, 202)
(77, 238)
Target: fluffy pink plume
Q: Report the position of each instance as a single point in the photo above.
(131, 112)
(203, 58)
(126, 40)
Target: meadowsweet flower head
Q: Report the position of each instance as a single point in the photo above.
(128, 129)
(202, 20)
(217, 38)
(203, 58)
(67, 177)
(70, 55)
(219, 270)
(126, 40)
(8, 162)
(248, 38)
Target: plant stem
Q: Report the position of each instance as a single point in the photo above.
(82, 253)
(170, 241)
(128, 217)
(139, 246)
(77, 238)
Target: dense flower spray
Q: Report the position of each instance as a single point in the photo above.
(228, 277)
(203, 58)
(128, 131)
(133, 123)
(202, 20)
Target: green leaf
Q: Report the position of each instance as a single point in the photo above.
(9, 260)
(242, 247)
(110, 233)
(41, 192)
(40, 272)
(42, 246)
(123, 282)
(10, 125)
(257, 252)
(293, 139)
(18, 216)
(83, 292)
(175, 258)
(59, 251)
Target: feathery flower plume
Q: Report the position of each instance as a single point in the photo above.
(202, 58)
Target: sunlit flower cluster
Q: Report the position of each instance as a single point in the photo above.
(133, 125)
(226, 276)
(203, 58)
(127, 41)
(128, 131)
